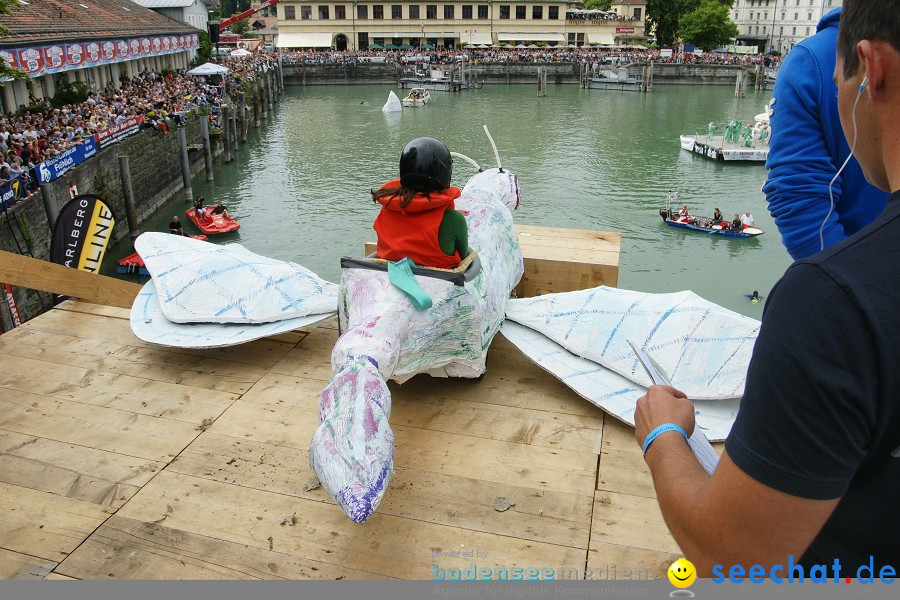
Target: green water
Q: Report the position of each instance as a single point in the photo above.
(587, 159)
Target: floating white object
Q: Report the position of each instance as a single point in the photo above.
(200, 282)
(393, 103)
(704, 348)
(149, 324)
(610, 391)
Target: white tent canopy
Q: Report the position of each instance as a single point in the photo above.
(208, 69)
(241, 52)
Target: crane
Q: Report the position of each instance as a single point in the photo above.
(225, 23)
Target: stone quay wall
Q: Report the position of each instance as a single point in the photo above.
(155, 164)
(509, 72)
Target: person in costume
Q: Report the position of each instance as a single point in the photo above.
(417, 218)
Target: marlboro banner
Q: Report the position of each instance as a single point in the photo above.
(82, 233)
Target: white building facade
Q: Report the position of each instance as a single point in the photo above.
(193, 12)
(778, 25)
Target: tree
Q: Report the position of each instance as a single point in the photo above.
(709, 25)
(240, 27)
(664, 17)
(7, 71)
(597, 4)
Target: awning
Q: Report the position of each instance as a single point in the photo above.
(414, 35)
(600, 38)
(476, 38)
(531, 37)
(304, 40)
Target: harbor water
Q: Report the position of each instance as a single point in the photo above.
(586, 159)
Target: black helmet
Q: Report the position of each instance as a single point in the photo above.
(425, 165)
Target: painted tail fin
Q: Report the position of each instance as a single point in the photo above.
(352, 451)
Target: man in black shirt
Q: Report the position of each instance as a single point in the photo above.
(219, 209)
(811, 469)
(175, 226)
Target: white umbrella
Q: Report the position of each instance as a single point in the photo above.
(241, 52)
(208, 69)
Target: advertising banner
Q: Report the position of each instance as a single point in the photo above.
(13, 191)
(624, 29)
(13, 307)
(49, 170)
(75, 55)
(31, 60)
(54, 57)
(9, 58)
(43, 60)
(82, 233)
(119, 132)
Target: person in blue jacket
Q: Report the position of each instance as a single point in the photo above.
(807, 149)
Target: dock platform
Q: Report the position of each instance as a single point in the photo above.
(124, 460)
(719, 149)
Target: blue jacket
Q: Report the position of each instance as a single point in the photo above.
(807, 149)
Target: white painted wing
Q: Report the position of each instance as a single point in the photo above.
(149, 324)
(200, 282)
(704, 348)
(611, 392)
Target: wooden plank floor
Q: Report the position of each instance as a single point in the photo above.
(122, 460)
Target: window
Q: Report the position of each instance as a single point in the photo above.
(807, 32)
(396, 11)
(504, 11)
(579, 39)
(757, 30)
(766, 15)
(306, 13)
(520, 12)
(793, 31)
(809, 16)
(637, 14)
(467, 11)
(796, 16)
(362, 38)
(537, 12)
(448, 11)
(378, 11)
(362, 13)
(289, 13)
(340, 12)
(323, 12)
(553, 13)
(431, 11)
(572, 39)
(764, 30)
(781, 31)
(482, 11)
(414, 11)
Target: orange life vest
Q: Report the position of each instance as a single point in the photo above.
(412, 230)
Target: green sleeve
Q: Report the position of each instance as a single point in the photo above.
(453, 234)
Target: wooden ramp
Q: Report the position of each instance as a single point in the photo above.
(121, 460)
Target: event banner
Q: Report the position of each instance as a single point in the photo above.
(82, 233)
(42, 60)
(13, 191)
(49, 170)
(118, 132)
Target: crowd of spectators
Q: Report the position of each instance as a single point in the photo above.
(544, 54)
(41, 131)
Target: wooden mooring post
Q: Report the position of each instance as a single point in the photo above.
(542, 81)
(228, 156)
(740, 85)
(207, 148)
(256, 94)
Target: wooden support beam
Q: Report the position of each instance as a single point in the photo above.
(563, 260)
(49, 277)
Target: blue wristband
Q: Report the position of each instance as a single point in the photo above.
(665, 427)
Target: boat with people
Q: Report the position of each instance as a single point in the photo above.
(733, 141)
(134, 264)
(213, 223)
(417, 97)
(713, 226)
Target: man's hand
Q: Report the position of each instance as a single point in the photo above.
(662, 404)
